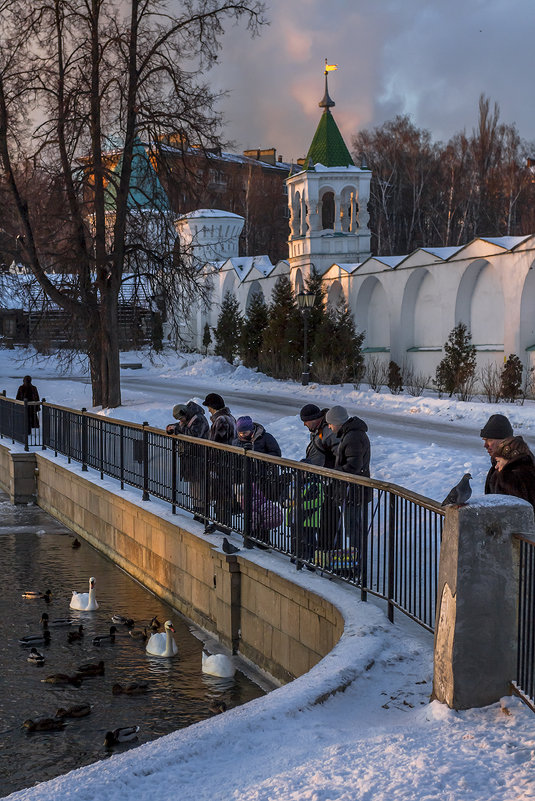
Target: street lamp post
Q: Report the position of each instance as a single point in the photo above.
(305, 301)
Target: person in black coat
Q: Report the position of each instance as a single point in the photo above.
(496, 429)
(223, 430)
(514, 470)
(254, 437)
(352, 456)
(27, 392)
(192, 422)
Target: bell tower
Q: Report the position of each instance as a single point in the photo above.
(328, 199)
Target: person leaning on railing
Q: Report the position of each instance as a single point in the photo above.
(192, 422)
(514, 470)
(222, 429)
(28, 392)
(352, 456)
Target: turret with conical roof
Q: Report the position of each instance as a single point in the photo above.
(328, 200)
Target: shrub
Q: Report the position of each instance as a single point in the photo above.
(490, 381)
(511, 378)
(395, 381)
(457, 369)
(376, 373)
(228, 328)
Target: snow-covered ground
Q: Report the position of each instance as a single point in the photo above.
(360, 725)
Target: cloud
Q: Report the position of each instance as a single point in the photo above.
(431, 60)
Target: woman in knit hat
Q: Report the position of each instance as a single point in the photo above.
(514, 470)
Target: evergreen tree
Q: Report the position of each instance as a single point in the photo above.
(458, 366)
(395, 381)
(511, 378)
(252, 331)
(228, 329)
(282, 343)
(206, 338)
(316, 315)
(337, 347)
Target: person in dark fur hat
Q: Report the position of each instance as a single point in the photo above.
(192, 422)
(514, 470)
(223, 429)
(496, 429)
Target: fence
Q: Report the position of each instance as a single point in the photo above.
(524, 685)
(377, 536)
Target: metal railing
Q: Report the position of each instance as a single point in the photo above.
(372, 534)
(524, 684)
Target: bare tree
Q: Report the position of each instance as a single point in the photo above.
(73, 75)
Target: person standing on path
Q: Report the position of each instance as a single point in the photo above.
(28, 392)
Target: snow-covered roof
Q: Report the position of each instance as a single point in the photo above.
(209, 214)
(443, 252)
(505, 242)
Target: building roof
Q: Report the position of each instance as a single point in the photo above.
(328, 146)
(146, 192)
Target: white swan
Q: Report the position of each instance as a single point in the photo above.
(217, 665)
(85, 601)
(162, 643)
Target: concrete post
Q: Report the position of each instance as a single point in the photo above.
(476, 620)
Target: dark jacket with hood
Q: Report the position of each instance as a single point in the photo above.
(353, 454)
(321, 450)
(223, 428)
(261, 441)
(517, 478)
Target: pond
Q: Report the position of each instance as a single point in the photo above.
(36, 553)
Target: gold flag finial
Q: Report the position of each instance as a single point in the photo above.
(330, 67)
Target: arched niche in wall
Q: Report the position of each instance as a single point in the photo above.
(527, 317)
(327, 209)
(372, 314)
(480, 303)
(254, 289)
(420, 312)
(299, 284)
(229, 284)
(334, 295)
(296, 214)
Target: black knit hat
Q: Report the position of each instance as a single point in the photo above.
(214, 401)
(310, 412)
(497, 427)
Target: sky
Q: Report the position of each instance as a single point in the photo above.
(381, 738)
(430, 59)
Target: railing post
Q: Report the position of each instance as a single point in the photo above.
(84, 440)
(101, 447)
(174, 454)
(299, 518)
(45, 420)
(247, 497)
(364, 546)
(146, 496)
(121, 455)
(391, 553)
(206, 483)
(26, 424)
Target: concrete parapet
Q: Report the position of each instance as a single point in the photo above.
(476, 621)
(17, 475)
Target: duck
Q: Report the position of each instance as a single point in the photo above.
(101, 639)
(44, 724)
(92, 669)
(217, 707)
(74, 636)
(76, 711)
(58, 621)
(130, 689)
(124, 735)
(155, 624)
(62, 679)
(162, 643)
(36, 639)
(34, 594)
(76, 543)
(122, 620)
(217, 665)
(85, 601)
(139, 634)
(36, 657)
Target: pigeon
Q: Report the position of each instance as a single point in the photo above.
(228, 547)
(459, 495)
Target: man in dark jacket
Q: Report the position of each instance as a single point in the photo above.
(352, 456)
(496, 429)
(191, 420)
(28, 392)
(321, 449)
(514, 470)
(223, 429)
